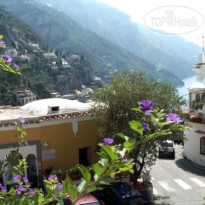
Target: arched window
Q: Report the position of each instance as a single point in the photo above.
(202, 145)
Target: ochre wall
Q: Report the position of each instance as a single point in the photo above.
(61, 138)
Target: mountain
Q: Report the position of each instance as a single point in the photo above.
(172, 53)
(43, 72)
(59, 30)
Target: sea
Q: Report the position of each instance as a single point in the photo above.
(183, 91)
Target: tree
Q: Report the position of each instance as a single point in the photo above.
(112, 111)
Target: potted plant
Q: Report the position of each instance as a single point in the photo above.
(61, 173)
(75, 173)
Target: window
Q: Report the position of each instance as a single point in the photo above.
(202, 145)
(53, 109)
(85, 156)
(56, 108)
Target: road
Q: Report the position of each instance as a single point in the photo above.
(178, 182)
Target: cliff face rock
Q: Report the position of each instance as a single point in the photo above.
(88, 75)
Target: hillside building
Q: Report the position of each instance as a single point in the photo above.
(25, 96)
(34, 46)
(50, 55)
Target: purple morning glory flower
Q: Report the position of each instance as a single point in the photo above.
(124, 159)
(146, 106)
(20, 188)
(25, 180)
(15, 66)
(174, 118)
(7, 58)
(17, 178)
(108, 141)
(52, 178)
(31, 191)
(26, 143)
(145, 126)
(60, 186)
(2, 43)
(21, 120)
(3, 188)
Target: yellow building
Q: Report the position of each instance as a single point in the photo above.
(60, 134)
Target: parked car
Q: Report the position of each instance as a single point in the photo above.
(118, 193)
(167, 149)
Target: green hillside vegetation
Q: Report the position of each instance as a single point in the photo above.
(59, 30)
(38, 73)
(172, 53)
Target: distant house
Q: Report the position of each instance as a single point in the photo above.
(25, 58)
(54, 66)
(65, 64)
(50, 55)
(55, 95)
(69, 97)
(25, 96)
(35, 47)
(60, 134)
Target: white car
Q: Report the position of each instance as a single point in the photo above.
(167, 149)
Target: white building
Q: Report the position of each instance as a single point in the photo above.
(194, 145)
(35, 47)
(25, 58)
(50, 55)
(65, 64)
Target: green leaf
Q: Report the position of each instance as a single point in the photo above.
(137, 109)
(98, 169)
(81, 186)
(86, 174)
(40, 198)
(123, 136)
(130, 144)
(1, 37)
(104, 162)
(91, 189)
(104, 183)
(109, 151)
(70, 187)
(59, 200)
(136, 126)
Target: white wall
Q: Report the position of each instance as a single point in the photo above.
(192, 144)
